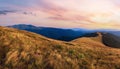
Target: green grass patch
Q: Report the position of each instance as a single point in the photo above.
(71, 52)
(59, 47)
(81, 55)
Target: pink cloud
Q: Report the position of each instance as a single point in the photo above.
(52, 9)
(73, 18)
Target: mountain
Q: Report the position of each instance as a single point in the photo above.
(54, 33)
(20, 49)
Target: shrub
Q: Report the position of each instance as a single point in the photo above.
(81, 55)
(59, 47)
(71, 52)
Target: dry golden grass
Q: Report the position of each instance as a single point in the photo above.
(25, 50)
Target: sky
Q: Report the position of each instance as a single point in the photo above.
(90, 14)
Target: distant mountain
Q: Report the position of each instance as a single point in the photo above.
(54, 33)
(21, 49)
(111, 31)
(117, 33)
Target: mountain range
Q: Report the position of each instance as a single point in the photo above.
(20, 49)
(60, 33)
(54, 33)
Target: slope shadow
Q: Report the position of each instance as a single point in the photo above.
(111, 40)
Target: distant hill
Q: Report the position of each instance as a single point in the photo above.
(54, 33)
(109, 39)
(26, 50)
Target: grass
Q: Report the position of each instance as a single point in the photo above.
(59, 47)
(26, 50)
(71, 52)
(81, 55)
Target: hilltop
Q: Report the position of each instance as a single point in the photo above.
(26, 50)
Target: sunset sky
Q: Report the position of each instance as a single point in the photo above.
(91, 14)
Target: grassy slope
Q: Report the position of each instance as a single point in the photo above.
(25, 50)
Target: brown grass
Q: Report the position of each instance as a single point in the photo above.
(25, 50)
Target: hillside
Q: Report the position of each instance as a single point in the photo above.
(108, 39)
(25, 50)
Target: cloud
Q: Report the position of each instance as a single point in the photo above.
(28, 13)
(76, 18)
(5, 12)
(61, 13)
(47, 6)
